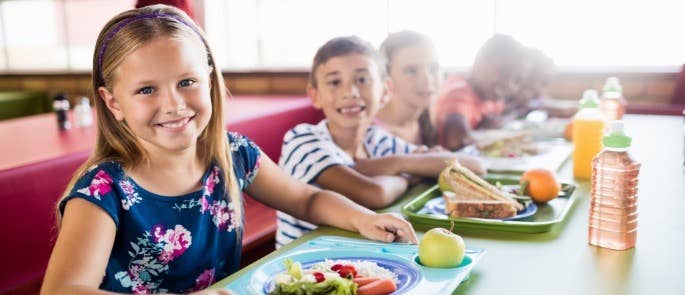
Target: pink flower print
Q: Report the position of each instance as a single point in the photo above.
(99, 186)
(165, 257)
(141, 289)
(204, 203)
(211, 181)
(205, 279)
(174, 241)
(222, 215)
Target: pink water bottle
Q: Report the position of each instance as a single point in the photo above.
(612, 104)
(613, 202)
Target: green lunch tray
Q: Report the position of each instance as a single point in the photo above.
(546, 216)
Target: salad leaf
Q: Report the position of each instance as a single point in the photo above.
(298, 286)
(293, 268)
(334, 286)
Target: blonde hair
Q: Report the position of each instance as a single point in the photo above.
(398, 40)
(115, 140)
(390, 46)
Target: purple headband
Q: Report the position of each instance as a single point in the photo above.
(127, 21)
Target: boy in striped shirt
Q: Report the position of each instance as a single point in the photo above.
(345, 152)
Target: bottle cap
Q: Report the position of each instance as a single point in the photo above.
(612, 85)
(612, 88)
(615, 137)
(590, 99)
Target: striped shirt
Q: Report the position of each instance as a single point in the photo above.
(308, 150)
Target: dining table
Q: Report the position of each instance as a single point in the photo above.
(561, 261)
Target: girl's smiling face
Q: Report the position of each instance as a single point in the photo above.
(162, 91)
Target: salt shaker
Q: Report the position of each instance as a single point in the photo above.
(82, 113)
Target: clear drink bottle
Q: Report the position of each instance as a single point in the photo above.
(612, 104)
(613, 202)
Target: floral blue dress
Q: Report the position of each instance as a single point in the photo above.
(170, 244)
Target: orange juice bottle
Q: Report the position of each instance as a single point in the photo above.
(588, 126)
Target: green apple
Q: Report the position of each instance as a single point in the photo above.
(441, 248)
(442, 180)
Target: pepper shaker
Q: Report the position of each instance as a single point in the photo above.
(60, 104)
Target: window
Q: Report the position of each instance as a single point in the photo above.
(588, 33)
(49, 35)
(59, 35)
(83, 22)
(33, 39)
(580, 33)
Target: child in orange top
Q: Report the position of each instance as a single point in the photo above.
(157, 207)
(478, 100)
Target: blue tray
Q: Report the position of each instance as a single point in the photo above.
(399, 258)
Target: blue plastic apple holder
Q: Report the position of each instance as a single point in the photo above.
(400, 258)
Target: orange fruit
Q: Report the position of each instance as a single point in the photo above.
(541, 185)
(568, 131)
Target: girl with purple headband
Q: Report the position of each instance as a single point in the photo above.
(157, 207)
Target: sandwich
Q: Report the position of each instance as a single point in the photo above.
(471, 196)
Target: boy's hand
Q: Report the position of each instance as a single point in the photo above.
(386, 227)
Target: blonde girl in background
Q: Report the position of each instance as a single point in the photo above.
(157, 207)
(413, 81)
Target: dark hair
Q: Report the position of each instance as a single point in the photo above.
(538, 64)
(343, 46)
(399, 40)
(501, 46)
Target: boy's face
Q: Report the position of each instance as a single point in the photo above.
(161, 90)
(415, 75)
(349, 90)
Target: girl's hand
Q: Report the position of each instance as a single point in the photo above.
(422, 149)
(438, 149)
(434, 149)
(386, 227)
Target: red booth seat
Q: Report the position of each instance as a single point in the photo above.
(37, 161)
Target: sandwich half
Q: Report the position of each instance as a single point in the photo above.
(471, 196)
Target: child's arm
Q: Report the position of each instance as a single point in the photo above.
(79, 258)
(277, 189)
(416, 164)
(372, 192)
(80, 255)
